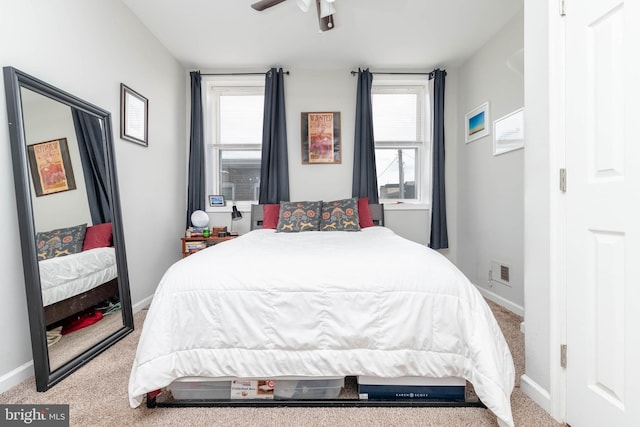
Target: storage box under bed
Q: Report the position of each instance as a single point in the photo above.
(212, 389)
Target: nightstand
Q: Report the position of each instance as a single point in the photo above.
(192, 245)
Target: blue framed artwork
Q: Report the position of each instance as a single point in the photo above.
(477, 123)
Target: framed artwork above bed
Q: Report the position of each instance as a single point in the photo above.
(321, 140)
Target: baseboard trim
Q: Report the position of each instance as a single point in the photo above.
(16, 376)
(501, 301)
(142, 304)
(536, 393)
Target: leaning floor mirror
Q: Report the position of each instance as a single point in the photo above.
(72, 243)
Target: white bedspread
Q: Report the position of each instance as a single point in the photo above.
(70, 275)
(319, 303)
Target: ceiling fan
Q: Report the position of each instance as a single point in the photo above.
(324, 7)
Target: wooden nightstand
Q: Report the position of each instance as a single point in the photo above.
(192, 245)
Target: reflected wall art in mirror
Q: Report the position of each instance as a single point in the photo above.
(72, 243)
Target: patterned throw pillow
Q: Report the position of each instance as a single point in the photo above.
(299, 216)
(340, 215)
(60, 242)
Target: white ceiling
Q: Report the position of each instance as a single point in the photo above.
(380, 34)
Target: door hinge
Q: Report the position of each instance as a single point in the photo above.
(563, 11)
(563, 356)
(563, 180)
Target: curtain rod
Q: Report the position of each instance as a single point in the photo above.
(238, 74)
(430, 74)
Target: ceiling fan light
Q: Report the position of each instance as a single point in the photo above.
(326, 9)
(304, 5)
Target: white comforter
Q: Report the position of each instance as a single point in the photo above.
(70, 275)
(321, 303)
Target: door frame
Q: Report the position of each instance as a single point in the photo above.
(558, 211)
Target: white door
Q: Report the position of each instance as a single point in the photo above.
(603, 212)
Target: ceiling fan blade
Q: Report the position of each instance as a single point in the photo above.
(304, 5)
(326, 22)
(265, 4)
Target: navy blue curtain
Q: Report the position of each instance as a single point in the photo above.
(439, 238)
(365, 178)
(274, 169)
(196, 178)
(91, 144)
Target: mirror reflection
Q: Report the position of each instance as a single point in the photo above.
(73, 224)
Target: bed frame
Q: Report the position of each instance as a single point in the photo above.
(157, 399)
(257, 215)
(77, 303)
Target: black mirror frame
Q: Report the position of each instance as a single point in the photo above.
(14, 80)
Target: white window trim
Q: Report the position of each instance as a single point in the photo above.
(211, 86)
(399, 84)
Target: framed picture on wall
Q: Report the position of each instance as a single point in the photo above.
(134, 116)
(477, 123)
(321, 143)
(50, 166)
(508, 132)
(216, 201)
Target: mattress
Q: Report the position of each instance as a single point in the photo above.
(70, 275)
(317, 303)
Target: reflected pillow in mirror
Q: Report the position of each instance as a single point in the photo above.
(98, 236)
(60, 242)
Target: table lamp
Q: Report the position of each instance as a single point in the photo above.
(236, 215)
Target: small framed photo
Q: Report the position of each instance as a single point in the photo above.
(477, 123)
(134, 116)
(321, 141)
(216, 201)
(508, 132)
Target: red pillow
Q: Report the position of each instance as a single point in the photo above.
(364, 213)
(270, 216)
(97, 236)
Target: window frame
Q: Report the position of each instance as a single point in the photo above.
(213, 87)
(423, 144)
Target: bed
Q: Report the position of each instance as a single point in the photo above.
(77, 267)
(76, 282)
(321, 304)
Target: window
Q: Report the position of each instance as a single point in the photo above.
(233, 137)
(400, 123)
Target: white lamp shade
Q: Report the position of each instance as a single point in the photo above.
(199, 219)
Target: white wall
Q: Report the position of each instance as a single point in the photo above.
(88, 49)
(491, 188)
(539, 188)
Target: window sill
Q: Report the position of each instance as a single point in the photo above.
(404, 206)
(242, 207)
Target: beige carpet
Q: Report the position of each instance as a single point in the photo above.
(97, 395)
(72, 344)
